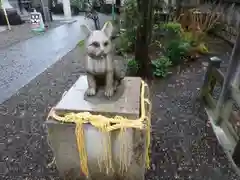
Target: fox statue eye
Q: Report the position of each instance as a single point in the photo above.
(105, 43)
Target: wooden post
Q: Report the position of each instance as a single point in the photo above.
(213, 62)
(234, 61)
(236, 81)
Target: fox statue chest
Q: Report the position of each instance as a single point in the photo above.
(98, 66)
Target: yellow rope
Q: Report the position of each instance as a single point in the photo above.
(106, 125)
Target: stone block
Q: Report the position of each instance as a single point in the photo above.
(62, 138)
(126, 101)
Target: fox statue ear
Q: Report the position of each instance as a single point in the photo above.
(108, 29)
(86, 30)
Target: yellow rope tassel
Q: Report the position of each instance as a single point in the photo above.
(106, 125)
(81, 148)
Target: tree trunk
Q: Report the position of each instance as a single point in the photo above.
(143, 37)
(178, 7)
(150, 21)
(118, 5)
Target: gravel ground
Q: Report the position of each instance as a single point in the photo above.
(183, 143)
(20, 33)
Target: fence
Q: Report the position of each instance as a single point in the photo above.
(223, 112)
(222, 1)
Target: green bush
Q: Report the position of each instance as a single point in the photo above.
(81, 43)
(173, 28)
(177, 50)
(130, 15)
(173, 45)
(202, 48)
(132, 67)
(130, 19)
(127, 41)
(161, 66)
(179, 44)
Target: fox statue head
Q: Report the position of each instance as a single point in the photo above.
(98, 42)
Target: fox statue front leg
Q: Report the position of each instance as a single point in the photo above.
(91, 91)
(109, 89)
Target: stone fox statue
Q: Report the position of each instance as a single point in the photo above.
(101, 68)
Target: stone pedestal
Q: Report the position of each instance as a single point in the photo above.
(126, 102)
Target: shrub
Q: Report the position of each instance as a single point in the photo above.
(130, 19)
(161, 66)
(202, 48)
(81, 43)
(179, 44)
(126, 42)
(177, 50)
(130, 15)
(132, 67)
(173, 28)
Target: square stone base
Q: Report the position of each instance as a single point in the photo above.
(62, 138)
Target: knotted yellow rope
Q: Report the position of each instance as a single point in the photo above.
(106, 125)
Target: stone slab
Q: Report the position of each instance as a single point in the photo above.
(126, 101)
(62, 137)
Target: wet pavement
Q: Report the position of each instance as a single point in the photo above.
(21, 33)
(23, 61)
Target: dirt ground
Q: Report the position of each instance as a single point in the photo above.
(183, 143)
